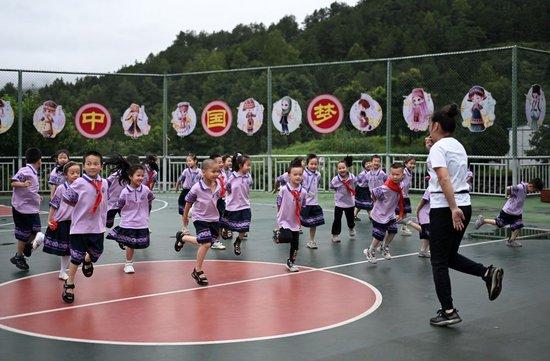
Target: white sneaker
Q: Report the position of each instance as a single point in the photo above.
(217, 245)
(371, 257)
(424, 254)
(38, 240)
(479, 221)
(129, 267)
(405, 231)
(513, 244)
(63, 276)
(335, 238)
(312, 244)
(352, 232)
(291, 266)
(386, 252)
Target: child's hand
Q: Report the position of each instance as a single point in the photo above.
(27, 183)
(52, 225)
(398, 218)
(428, 141)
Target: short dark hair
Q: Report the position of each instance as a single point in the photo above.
(537, 183)
(215, 155)
(310, 156)
(33, 155)
(376, 156)
(295, 163)
(397, 165)
(446, 117)
(94, 153)
(68, 165)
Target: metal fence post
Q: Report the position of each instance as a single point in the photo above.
(269, 131)
(20, 119)
(165, 186)
(515, 163)
(388, 112)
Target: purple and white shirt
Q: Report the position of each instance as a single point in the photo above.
(135, 206)
(514, 203)
(424, 212)
(283, 179)
(406, 182)
(56, 177)
(63, 211)
(376, 178)
(362, 180)
(286, 214)
(81, 194)
(26, 200)
(150, 177)
(205, 202)
(238, 191)
(343, 197)
(189, 177)
(115, 188)
(385, 203)
(310, 181)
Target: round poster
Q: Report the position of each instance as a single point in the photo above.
(535, 106)
(135, 122)
(6, 116)
(250, 116)
(92, 120)
(325, 113)
(286, 115)
(216, 118)
(49, 119)
(184, 119)
(418, 107)
(365, 114)
(478, 109)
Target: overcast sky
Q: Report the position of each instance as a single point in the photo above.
(103, 35)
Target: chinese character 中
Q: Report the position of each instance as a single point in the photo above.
(93, 118)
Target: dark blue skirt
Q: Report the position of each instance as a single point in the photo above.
(133, 238)
(236, 221)
(363, 198)
(312, 216)
(57, 242)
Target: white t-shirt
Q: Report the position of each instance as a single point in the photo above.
(448, 153)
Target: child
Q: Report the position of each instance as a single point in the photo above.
(222, 179)
(423, 225)
(151, 169)
(283, 179)
(134, 203)
(116, 182)
(375, 178)
(410, 164)
(386, 198)
(88, 196)
(25, 205)
(189, 177)
(362, 192)
(226, 172)
(61, 157)
(59, 221)
(344, 198)
(511, 213)
(237, 215)
(204, 195)
(291, 199)
(312, 214)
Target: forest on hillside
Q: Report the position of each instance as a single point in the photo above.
(369, 30)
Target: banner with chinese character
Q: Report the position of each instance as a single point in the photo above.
(184, 119)
(6, 116)
(418, 107)
(49, 119)
(325, 113)
(365, 114)
(535, 106)
(478, 109)
(250, 116)
(216, 118)
(286, 115)
(92, 120)
(135, 122)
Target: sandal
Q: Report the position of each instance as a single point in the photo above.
(66, 296)
(87, 269)
(122, 247)
(225, 234)
(199, 277)
(179, 241)
(237, 246)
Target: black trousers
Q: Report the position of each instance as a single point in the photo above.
(444, 243)
(337, 223)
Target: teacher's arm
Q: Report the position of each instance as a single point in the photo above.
(447, 188)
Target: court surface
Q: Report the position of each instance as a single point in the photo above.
(338, 307)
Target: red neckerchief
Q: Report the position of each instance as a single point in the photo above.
(396, 188)
(297, 201)
(97, 184)
(346, 184)
(222, 185)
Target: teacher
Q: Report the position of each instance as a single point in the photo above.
(450, 214)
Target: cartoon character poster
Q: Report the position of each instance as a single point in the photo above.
(418, 107)
(6, 116)
(250, 116)
(135, 121)
(49, 119)
(184, 119)
(365, 114)
(535, 106)
(286, 115)
(478, 109)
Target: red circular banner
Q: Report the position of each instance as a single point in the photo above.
(325, 113)
(216, 118)
(93, 120)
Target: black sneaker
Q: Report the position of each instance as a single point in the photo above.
(20, 262)
(27, 251)
(493, 281)
(445, 319)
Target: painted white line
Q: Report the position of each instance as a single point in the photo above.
(6, 224)
(161, 208)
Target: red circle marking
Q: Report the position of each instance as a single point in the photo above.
(216, 118)
(93, 128)
(246, 301)
(325, 113)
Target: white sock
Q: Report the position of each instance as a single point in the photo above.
(65, 260)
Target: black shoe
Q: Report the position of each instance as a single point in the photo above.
(20, 262)
(237, 246)
(179, 241)
(122, 247)
(27, 251)
(493, 281)
(87, 269)
(276, 235)
(445, 319)
(66, 296)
